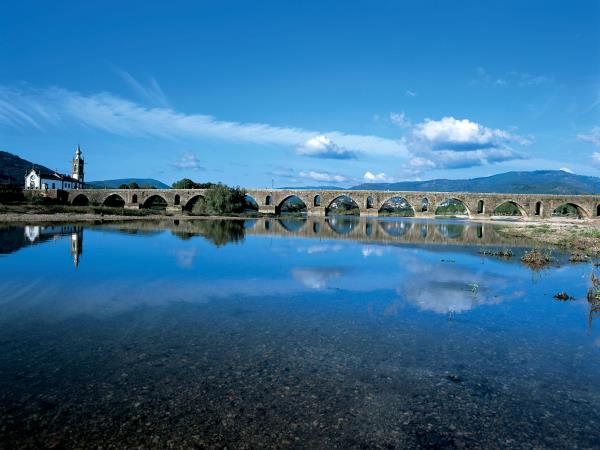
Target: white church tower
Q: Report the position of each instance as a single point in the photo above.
(77, 172)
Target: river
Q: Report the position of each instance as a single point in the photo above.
(320, 333)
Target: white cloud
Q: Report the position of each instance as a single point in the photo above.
(400, 119)
(370, 176)
(455, 134)
(593, 136)
(316, 278)
(323, 147)
(322, 176)
(448, 159)
(40, 108)
(596, 158)
(410, 93)
(566, 169)
(188, 161)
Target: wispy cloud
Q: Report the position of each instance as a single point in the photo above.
(188, 161)
(151, 93)
(410, 93)
(511, 78)
(400, 119)
(592, 136)
(116, 115)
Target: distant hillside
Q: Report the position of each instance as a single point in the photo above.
(535, 182)
(113, 184)
(13, 169)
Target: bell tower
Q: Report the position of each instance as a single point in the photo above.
(77, 172)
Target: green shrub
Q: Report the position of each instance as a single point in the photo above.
(221, 199)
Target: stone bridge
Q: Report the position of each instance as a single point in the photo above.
(319, 202)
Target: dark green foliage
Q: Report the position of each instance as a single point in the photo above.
(186, 183)
(134, 185)
(507, 209)
(13, 169)
(11, 195)
(221, 232)
(220, 200)
(156, 202)
(566, 210)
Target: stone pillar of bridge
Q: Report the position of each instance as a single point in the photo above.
(174, 209)
(368, 212)
(266, 209)
(315, 210)
(425, 214)
(132, 206)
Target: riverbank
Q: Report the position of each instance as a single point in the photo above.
(575, 236)
(582, 237)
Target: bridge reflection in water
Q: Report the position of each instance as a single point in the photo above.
(364, 229)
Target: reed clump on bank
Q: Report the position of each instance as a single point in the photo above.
(537, 259)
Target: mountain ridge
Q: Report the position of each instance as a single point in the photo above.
(516, 182)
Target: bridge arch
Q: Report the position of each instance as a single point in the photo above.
(134, 198)
(114, 200)
(317, 200)
(155, 201)
(397, 206)
(452, 206)
(80, 200)
(177, 199)
(509, 208)
(424, 204)
(192, 201)
(251, 203)
(268, 200)
(343, 205)
(569, 209)
(292, 204)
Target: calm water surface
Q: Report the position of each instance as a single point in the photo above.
(331, 333)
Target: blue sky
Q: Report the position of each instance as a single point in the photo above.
(302, 93)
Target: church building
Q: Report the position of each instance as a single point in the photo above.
(37, 179)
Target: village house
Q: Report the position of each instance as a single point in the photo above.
(38, 179)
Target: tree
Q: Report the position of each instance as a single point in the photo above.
(221, 199)
(134, 185)
(184, 183)
(123, 186)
